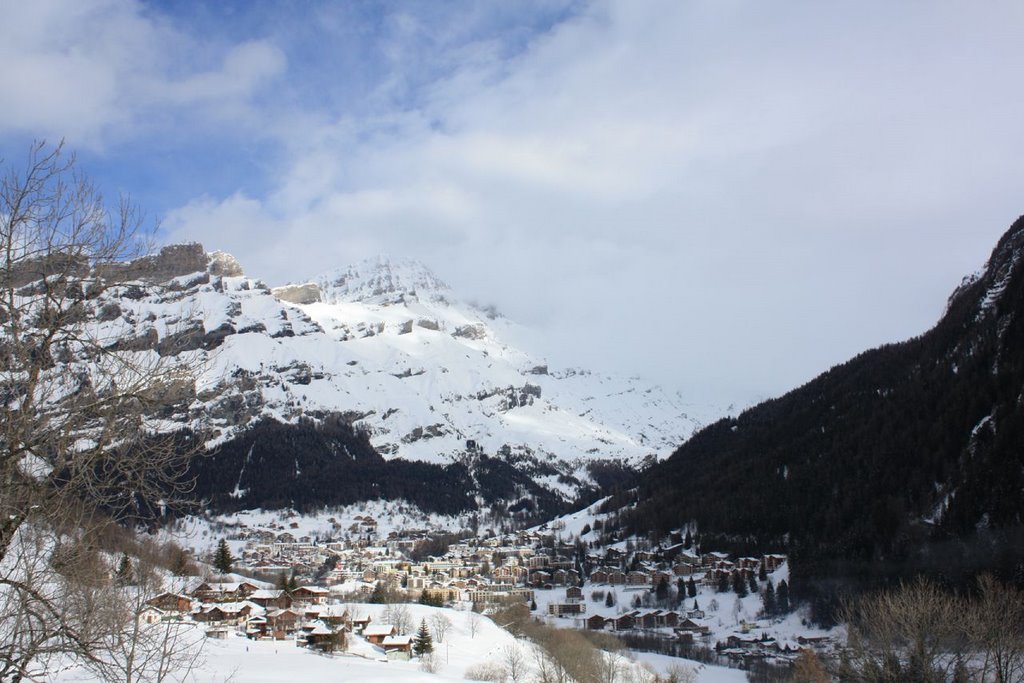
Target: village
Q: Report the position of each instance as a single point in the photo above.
(287, 585)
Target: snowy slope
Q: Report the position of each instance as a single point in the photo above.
(389, 345)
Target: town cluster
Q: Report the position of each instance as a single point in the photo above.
(319, 585)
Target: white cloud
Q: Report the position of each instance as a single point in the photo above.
(727, 195)
(89, 71)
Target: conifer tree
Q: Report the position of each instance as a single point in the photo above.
(609, 599)
(124, 570)
(688, 543)
(753, 584)
(783, 597)
(739, 584)
(423, 644)
(768, 600)
(762, 572)
(223, 560)
(691, 588)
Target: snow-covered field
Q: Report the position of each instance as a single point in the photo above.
(464, 647)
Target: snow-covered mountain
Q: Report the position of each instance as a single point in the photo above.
(394, 349)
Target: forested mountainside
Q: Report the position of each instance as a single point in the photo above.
(909, 457)
(311, 464)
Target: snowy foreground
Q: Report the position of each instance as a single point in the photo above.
(242, 660)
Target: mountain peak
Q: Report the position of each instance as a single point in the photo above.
(382, 280)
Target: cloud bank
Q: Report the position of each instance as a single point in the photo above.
(726, 196)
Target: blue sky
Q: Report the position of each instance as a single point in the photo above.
(725, 195)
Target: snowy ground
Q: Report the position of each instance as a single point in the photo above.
(247, 661)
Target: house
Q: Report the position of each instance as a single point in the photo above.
(624, 622)
(321, 637)
(562, 609)
(271, 599)
(397, 647)
(638, 578)
(573, 594)
(669, 618)
(596, 622)
(377, 633)
(172, 602)
(308, 595)
(616, 578)
(599, 576)
(282, 623)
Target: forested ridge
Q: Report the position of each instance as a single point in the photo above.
(906, 458)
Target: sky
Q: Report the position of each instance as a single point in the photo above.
(725, 196)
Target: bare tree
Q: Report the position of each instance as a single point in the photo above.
(440, 623)
(473, 621)
(397, 614)
(996, 626)
(79, 434)
(915, 632)
(513, 661)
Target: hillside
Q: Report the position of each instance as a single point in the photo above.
(375, 380)
(908, 457)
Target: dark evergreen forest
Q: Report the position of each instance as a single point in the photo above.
(309, 465)
(908, 458)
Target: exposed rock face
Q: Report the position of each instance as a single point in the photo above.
(308, 293)
(224, 265)
(171, 262)
(28, 271)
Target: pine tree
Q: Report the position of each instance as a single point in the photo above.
(688, 543)
(691, 588)
(783, 597)
(533, 605)
(723, 583)
(661, 591)
(768, 600)
(739, 584)
(124, 571)
(609, 599)
(753, 584)
(222, 558)
(423, 644)
(281, 582)
(762, 572)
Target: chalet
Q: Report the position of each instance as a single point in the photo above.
(359, 624)
(624, 622)
(271, 599)
(308, 595)
(638, 578)
(172, 602)
(648, 619)
(282, 623)
(573, 594)
(682, 569)
(596, 622)
(209, 591)
(377, 633)
(773, 562)
(335, 616)
(599, 576)
(616, 578)
(321, 637)
(669, 618)
(256, 627)
(397, 647)
(690, 626)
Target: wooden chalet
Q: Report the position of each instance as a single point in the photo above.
(172, 602)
